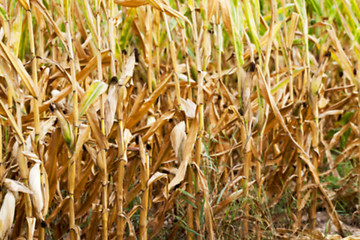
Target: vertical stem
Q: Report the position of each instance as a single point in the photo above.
(184, 52)
(148, 26)
(200, 106)
(219, 47)
(24, 171)
(35, 101)
(145, 197)
(358, 168)
(247, 176)
(206, 45)
(112, 38)
(157, 42)
(113, 73)
(2, 167)
(300, 135)
(190, 213)
(40, 49)
(34, 75)
(315, 157)
(313, 100)
(205, 35)
(173, 53)
(8, 36)
(190, 186)
(287, 50)
(307, 79)
(120, 219)
(121, 170)
(102, 126)
(72, 165)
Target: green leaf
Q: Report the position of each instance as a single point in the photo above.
(3, 13)
(252, 26)
(344, 138)
(67, 134)
(315, 6)
(184, 225)
(65, 127)
(19, 36)
(345, 118)
(355, 8)
(90, 20)
(332, 132)
(186, 193)
(96, 89)
(124, 36)
(221, 193)
(300, 6)
(237, 29)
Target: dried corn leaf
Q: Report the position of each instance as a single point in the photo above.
(188, 149)
(228, 200)
(159, 5)
(39, 6)
(135, 117)
(156, 177)
(189, 107)
(226, 14)
(158, 124)
(19, 67)
(25, 4)
(12, 122)
(265, 92)
(16, 186)
(96, 131)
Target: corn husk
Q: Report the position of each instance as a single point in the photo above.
(7, 213)
(178, 138)
(35, 186)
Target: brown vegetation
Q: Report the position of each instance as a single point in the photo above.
(154, 119)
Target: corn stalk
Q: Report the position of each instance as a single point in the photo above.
(72, 163)
(200, 106)
(173, 54)
(103, 169)
(307, 81)
(145, 174)
(149, 48)
(121, 168)
(24, 171)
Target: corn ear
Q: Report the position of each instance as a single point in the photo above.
(35, 186)
(65, 126)
(128, 69)
(178, 138)
(7, 213)
(111, 105)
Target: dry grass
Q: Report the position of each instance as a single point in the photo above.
(179, 119)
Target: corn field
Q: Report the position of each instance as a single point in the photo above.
(199, 119)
